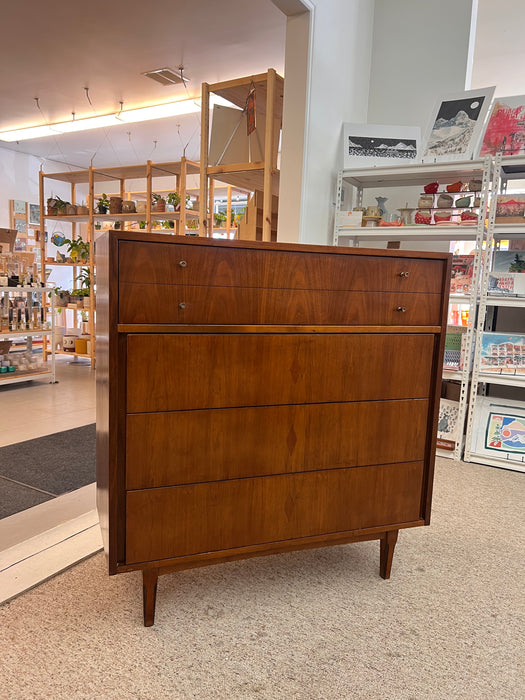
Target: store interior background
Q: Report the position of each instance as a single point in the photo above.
(362, 61)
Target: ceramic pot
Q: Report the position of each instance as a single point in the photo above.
(128, 206)
(71, 210)
(68, 343)
(115, 205)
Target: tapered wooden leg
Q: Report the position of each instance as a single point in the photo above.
(387, 543)
(149, 595)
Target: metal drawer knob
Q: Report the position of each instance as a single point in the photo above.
(401, 308)
(182, 305)
(403, 274)
(182, 263)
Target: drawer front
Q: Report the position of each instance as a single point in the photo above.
(183, 520)
(171, 372)
(147, 303)
(160, 263)
(182, 447)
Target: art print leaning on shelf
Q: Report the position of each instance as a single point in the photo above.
(367, 145)
(505, 132)
(499, 427)
(456, 125)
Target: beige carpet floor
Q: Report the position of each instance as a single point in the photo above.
(450, 623)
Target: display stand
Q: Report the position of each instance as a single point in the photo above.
(355, 184)
(262, 175)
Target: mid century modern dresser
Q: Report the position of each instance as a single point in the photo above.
(260, 398)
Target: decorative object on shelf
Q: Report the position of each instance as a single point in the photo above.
(379, 144)
(431, 188)
(103, 204)
(499, 429)
(406, 214)
(219, 219)
(34, 214)
(128, 206)
(369, 221)
(68, 343)
(456, 125)
(71, 210)
(373, 211)
(442, 216)
(455, 187)
(381, 204)
(350, 219)
(159, 203)
(423, 216)
(448, 424)
(461, 276)
(426, 201)
(463, 202)
(505, 132)
(58, 239)
(445, 201)
(509, 261)
(173, 199)
(510, 209)
(469, 217)
(396, 222)
(82, 210)
(115, 205)
(52, 209)
(141, 206)
(475, 185)
(61, 206)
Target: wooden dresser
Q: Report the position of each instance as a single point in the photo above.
(260, 398)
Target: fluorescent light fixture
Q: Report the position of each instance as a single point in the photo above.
(169, 109)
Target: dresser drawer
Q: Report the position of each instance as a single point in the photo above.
(183, 520)
(180, 447)
(199, 265)
(170, 372)
(147, 303)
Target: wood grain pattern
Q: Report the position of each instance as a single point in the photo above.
(165, 449)
(172, 372)
(162, 303)
(183, 520)
(226, 266)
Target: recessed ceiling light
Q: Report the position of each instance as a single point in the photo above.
(167, 76)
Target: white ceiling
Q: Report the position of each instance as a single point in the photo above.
(52, 50)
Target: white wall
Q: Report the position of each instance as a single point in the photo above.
(337, 91)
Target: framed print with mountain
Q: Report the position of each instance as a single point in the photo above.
(378, 144)
(456, 126)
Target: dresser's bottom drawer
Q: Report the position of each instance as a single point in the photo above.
(181, 520)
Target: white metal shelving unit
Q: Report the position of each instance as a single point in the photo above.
(504, 169)
(417, 175)
(47, 335)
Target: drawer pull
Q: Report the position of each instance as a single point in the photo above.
(182, 263)
(402, 309)
(182, 305)
(403, 274)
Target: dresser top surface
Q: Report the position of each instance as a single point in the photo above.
(146, 237)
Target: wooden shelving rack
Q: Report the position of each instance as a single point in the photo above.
(256, 176)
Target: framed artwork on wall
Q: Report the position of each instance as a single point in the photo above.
(34, 214)
(379, 144)
(505, 132)
(456, 125)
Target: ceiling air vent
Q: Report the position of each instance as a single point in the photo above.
(167, 76)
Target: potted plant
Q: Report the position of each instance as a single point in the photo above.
(103, 204)
(52, 209)
(173, 198)
(61, 206)
(219, 218)
(78, 249)
(82, 294)
(61, 297)
(159, 203)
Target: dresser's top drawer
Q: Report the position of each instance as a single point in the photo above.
(156, 263)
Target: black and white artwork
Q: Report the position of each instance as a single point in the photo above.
(378, 144)
(456, 125)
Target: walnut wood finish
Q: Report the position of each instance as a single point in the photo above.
(238, 512)
(160, 263)
(164, 449)
(247, 370)
(287, 405)
(146, 303)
